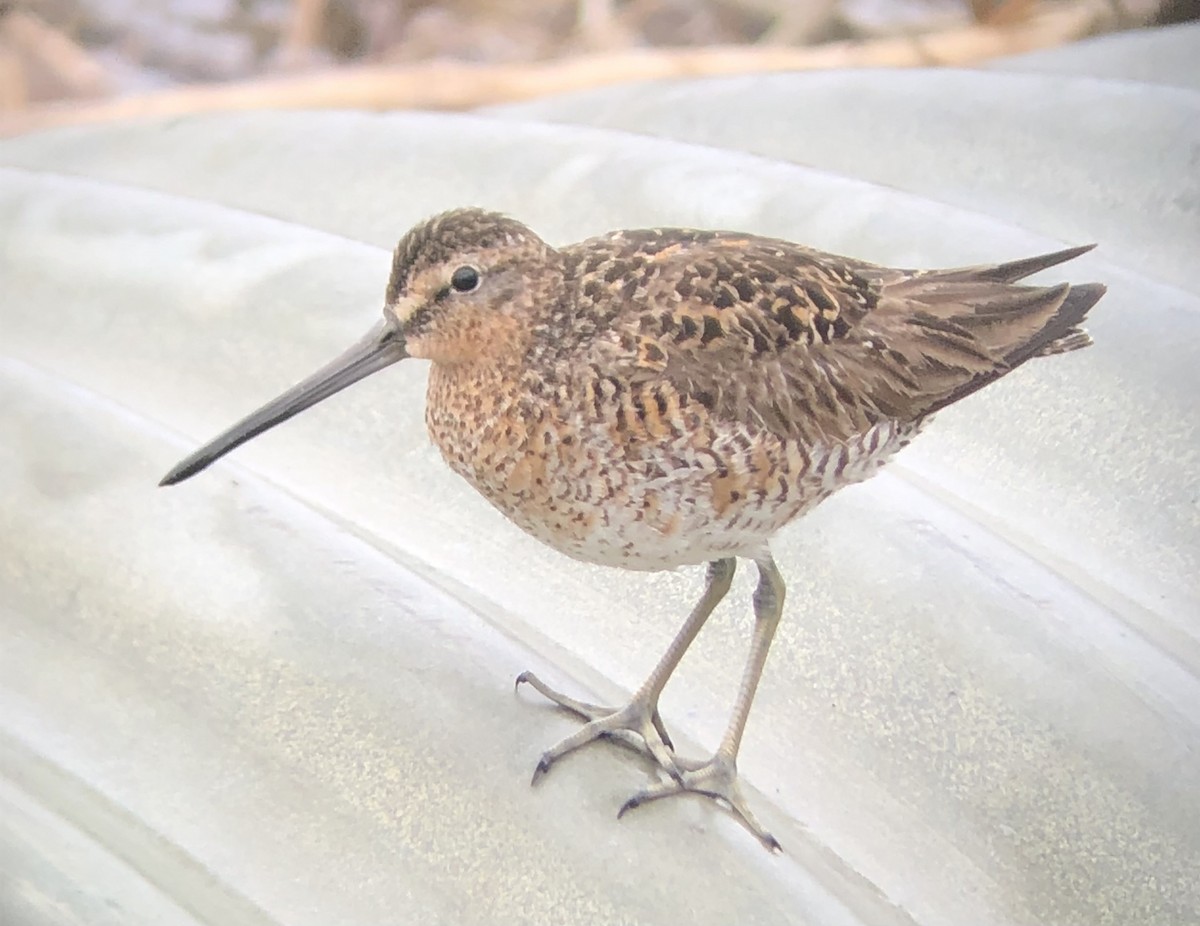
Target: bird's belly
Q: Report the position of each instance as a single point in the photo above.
(659, 508)
(652, 530)
(683, 536)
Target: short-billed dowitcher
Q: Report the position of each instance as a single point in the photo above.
(670, 397)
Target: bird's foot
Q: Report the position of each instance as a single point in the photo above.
(636, 725)
(715, 778)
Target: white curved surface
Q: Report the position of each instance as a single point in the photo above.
(1164, 55)
(295, 670)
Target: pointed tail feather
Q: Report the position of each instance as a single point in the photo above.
(1072, 340)
(1012, 325)
(1058, 317)
(1014, 270)
(1064, 333)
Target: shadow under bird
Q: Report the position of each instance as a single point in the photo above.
(670, 397)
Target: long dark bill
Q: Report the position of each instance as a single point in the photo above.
(381, 347)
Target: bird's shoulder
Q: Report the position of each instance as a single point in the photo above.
(750, 328)
(728, 287)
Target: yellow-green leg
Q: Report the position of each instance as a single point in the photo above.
(717, 777)
(640, 715)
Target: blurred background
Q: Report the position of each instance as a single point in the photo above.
(70, 60)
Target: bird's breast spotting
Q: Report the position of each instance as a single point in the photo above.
(576, 476)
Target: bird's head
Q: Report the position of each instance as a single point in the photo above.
(465, 282)
(463, 287)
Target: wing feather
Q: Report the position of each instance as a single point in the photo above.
(806, 345)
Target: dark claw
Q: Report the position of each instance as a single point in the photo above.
(542, 768)
(522, 679)
(632, 804)
(772, 845)
(661, 729)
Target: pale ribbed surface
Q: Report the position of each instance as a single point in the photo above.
(281, 692)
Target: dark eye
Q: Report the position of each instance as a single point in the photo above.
(464, 279)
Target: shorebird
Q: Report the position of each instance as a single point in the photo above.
(669, 397)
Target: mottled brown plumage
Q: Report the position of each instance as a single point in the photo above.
(656, 398)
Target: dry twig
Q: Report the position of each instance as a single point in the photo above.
(449, 85)
(35, 45)
(303, 32)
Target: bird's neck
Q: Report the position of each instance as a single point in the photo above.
(473, 415)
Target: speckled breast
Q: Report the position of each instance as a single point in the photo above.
(579, 478)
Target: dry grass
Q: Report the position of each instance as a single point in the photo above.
(70, 61)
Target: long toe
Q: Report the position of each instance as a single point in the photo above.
(636, 725)
(715, 779)
(584, 710)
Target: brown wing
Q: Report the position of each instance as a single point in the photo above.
(807, 345)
